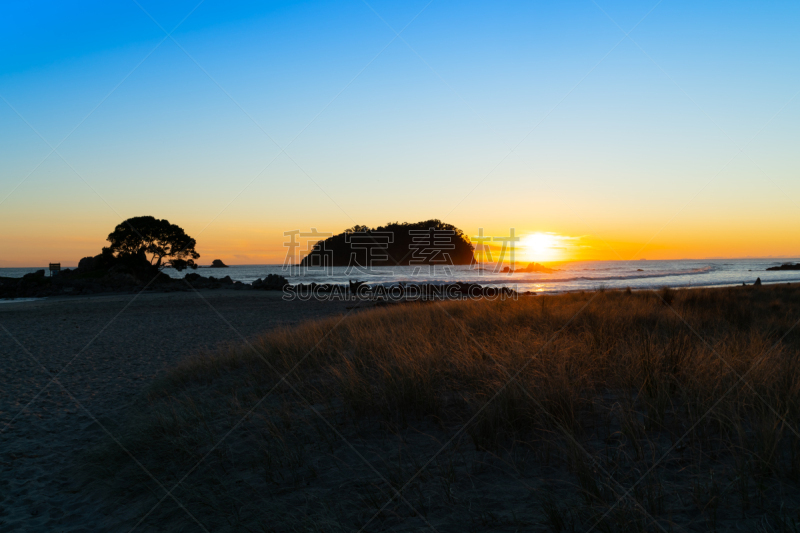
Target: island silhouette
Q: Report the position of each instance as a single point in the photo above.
(430, 242)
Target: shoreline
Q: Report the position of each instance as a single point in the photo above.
(79, 297)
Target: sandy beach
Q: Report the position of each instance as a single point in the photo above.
(104, 350)
(403, 417)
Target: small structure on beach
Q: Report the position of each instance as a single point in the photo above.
(54, 268)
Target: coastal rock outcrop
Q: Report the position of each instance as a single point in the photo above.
(786, 266)
(74, 282)
(532, 267)
(536, 267)
(34, 276)
(87, 264)
(217, 263)
(273, 282)
(196, 281)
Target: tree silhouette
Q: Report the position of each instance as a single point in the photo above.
(152, 240)
(401, 249)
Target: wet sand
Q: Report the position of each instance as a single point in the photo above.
(103, 350)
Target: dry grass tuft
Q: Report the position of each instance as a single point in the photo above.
(668, 410)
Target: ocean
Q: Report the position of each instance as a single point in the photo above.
(573, 276)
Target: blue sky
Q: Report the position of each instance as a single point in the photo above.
(538, 116)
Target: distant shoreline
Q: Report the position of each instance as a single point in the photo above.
(567, 278)
(78, 297)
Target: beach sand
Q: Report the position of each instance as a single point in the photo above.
(104, 350)
(402, 418)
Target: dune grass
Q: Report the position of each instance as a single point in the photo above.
(609, 411)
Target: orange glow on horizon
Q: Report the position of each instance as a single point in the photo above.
(36, 244)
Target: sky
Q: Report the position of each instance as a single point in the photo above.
(596, 129)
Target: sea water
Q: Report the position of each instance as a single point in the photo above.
(573, 276)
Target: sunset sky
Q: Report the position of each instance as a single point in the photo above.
(681, 140)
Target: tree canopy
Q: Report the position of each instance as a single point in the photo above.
(154, 240)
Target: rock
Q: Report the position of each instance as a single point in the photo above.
(786, 266)
(193, 277)
(162, 278)
(122, 279)
(532, 267)
(273, 282)
(535, 267)
(36, 277)
(217, 263)
(87, 264)
(354, 285)
(758, 282)
(120, 269)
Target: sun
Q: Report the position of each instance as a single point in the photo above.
(542, 247)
